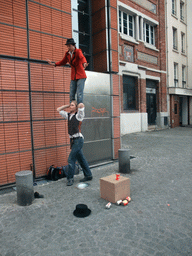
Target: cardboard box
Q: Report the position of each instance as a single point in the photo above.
(113, 190)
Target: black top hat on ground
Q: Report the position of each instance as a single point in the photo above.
(70, 41)
(82, 211)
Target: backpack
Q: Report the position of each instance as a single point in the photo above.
(55, 173)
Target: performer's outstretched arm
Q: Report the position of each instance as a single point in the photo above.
(51, 62)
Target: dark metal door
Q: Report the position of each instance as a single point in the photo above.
(151, 108)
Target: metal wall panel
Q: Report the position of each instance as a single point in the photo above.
(96, 129)
(98, 151)
(96, 126)
(97, 83)
(97, 106)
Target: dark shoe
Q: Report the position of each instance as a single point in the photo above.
(37, 195)
(70, 182)
(86, 178)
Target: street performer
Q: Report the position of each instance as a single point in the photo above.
(75, 118)
(78, 63)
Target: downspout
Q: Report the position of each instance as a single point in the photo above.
(110, 72)
(30, 96)
(167, 64)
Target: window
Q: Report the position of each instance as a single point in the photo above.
(149, 34)
(126, 24)
(182, 11)
(175, 109)
(129, 93)
(182, 42)
(183, 76)
(175, 74)
(81, 28)
(174, 7)
(120, 25)
(174, 38)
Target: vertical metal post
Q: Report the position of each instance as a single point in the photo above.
(24, 185)
(29, 81)
(110, 72)
(124, 160)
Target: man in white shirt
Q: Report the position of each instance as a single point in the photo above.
(75, 118)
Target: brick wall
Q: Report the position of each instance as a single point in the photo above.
(160, 55)
(27, 80)
(36, 83)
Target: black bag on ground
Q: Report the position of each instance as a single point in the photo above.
(55, 173)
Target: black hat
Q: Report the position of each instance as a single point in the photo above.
(82, 211)
(70, 41)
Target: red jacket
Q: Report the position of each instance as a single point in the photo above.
(77, 70)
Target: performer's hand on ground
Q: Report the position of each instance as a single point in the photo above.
(50, 62)
(85, 65)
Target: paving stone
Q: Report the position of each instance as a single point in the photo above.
(160, 176)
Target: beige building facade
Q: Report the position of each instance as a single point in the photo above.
(179, 61)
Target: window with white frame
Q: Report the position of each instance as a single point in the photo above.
(175, 39)
(182, 11)
(174, 7)
(182, 42)
(183, 76)
(175, 74)
(126, 24)
(149, 33)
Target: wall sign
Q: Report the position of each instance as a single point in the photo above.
(128, 53)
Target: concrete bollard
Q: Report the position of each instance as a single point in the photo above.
(124, 160)
(24, 185)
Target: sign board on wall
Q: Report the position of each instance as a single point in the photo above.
(128, 53)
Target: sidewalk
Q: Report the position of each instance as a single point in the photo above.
(157, 222)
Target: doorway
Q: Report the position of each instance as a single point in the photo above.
(151, 108)
(151, 101)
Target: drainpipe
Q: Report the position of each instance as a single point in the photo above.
(167, 63)
(110, 71)
(30, 96)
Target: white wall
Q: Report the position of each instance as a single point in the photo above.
(133, 122)
(172, 55)
(189, 41)
(190, 109)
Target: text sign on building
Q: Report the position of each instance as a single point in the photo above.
(146, 57)
(128, 53)
(151, 90)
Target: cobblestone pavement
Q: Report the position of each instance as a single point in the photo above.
(157, 221)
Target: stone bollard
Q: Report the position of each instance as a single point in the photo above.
(124, 160)
(24, 185)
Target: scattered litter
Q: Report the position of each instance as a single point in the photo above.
(124, 202)
(82, 185)
(37, 195)
(108, 206)
(128, 199)
(168, 204)
(119, 202)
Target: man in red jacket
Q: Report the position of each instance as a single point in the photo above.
(78, 64)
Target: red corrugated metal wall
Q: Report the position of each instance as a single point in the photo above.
(31, 131)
